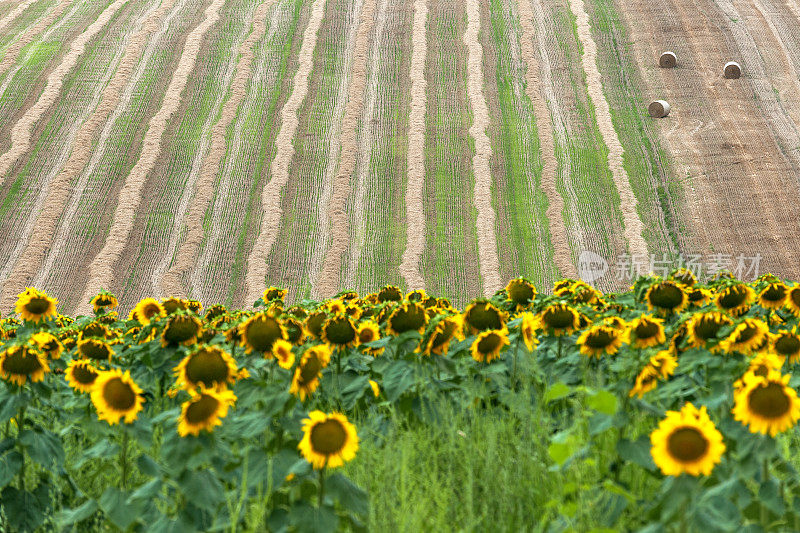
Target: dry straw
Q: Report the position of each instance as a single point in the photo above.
(667, 60)
(732, 70)
(658, 109)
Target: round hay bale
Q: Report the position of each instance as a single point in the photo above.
(732, 70)
(668, 60)
(658, 109)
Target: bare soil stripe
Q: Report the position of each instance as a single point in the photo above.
(186, 254)
(271, 194)
(485, 222)
(102, 265)
(16, 12)
(14, 49)
(22, 131)
(63, 241)
(633, 224)
(415, 218)
(365, 149)
(328, 281)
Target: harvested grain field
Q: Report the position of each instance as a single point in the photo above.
(208, 149)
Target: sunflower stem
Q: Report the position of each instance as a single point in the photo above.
(20, 424)
(764, 478)
(559, 346)
(321, 486)
(123, 459)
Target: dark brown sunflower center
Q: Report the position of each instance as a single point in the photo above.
(367, 335)
(666, 296)
(293, 331)
(483, 317)
(94, 330)
(83, 374)
(340, 331)
(646, 330)
(696, 295)
(38, 305)
(732, 297)
(181, 329)
(172, 304)
(93, 349)
(769, 401)
(150, 309)
(118, 394)
(310, 370)
(201, 409)
(600, 338)
(520, 292)
(207, 368)
(103, 301)
(761, 370)
(787, 344)
(490, 343)
(21, 363)
(559, 318)
(390, 293)
(328, 437)
(774, 293)
(409, 318)
(687, 445)
(745, 334)
(707, 328)
(444, 334)
(315, 322)
(262, 333)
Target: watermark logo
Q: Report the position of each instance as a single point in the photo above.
(591, 266)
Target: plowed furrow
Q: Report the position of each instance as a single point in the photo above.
(12, 51)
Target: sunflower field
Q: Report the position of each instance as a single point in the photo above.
(670, 407)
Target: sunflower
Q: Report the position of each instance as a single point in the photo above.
(329, 440)
(615, 322)
(95, 330)
(115, 396)
(215, 311)
(335, 307)
(307, 374)
(34, 305)
(760, 365)
(521, 293)
(81, 375)
(369, 331)
(314, 323)
(488, 344)
(95, 349)
(698, 297)
(182, 328)
(442, 334)
(558, 319)
(666, 297)
(646, 332)
(766, 403)
(295, 333)
(20, 364)
(48, 343)
(340, 331)
(390, 293)
(599, 340)
(687, 441)
(773, 296)
(104, 301)
(260, 332)
(684, 276)
(204, 410)
(750, 336)
(409, 316)
(206, 365)
(792, 302)
(646, 381)
(702, 329)
(527, 329)
(148, 310)
(786, 344)
(735, 298)
(664, 363)
(481, 315)
(282, 351)
(579, 292)
(173, 304)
